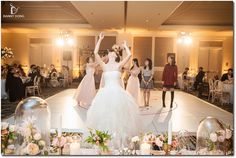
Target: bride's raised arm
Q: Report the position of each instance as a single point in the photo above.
(127, 58)
(96, 50)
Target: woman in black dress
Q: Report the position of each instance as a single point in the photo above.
(14, 85)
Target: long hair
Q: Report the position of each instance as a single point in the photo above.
(135, 60)
(116, 49)
(172, 61)
(87, 59)
(117, 58)
(149, 64)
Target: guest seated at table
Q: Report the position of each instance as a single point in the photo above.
(52, 69)
(21, 71)
(33, 73)
(185, 74)
(14, 85)
(199, 78)
(185, 78)
(227, 76)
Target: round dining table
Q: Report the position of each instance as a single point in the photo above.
(3, 90)
(229, 88)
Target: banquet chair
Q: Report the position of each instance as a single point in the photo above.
(218, 90)
(34, 88)
(218, 93)
(54, 82)
(211, 89)
(64, 82)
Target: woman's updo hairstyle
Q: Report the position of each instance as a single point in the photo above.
(116, 49)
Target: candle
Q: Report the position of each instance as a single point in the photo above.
(75, 148)
(145, 149)
(59, 126)
(169, 132)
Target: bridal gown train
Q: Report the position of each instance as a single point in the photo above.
(114, 110)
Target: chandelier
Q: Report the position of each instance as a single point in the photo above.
(184, 38)
(65, 38)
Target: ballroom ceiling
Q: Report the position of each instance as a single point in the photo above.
(147, 15)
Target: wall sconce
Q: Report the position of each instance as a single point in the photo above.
(184, 38)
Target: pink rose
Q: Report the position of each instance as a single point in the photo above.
(32, 149)
(228, 133)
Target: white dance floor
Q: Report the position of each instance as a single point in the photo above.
(188, 111)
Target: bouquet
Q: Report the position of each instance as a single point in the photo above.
(8, 136)
(6, 53)
(33, 144)
(99, 138)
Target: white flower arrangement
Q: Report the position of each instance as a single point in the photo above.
(8, 136)
(228, 133)
(135, 139)
(4, 125)
(6, 53)
(213, 137)
(220, 136)
(33, 143)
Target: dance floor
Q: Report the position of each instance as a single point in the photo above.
(186, 114)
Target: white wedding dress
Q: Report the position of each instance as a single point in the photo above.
(114, 110)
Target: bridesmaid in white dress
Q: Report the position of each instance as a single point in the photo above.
(133, 85)
(86, 90)
(113, 109)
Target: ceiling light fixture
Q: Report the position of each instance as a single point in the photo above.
(65, 38)
(184, 38)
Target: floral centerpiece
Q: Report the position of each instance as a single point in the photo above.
(229, 140)
(135, 142)
(8, 137)
(99, 139)
(159, 142)
(214, 137)
(6, 53)
(33, 144)
(219, 138)
(62, 143)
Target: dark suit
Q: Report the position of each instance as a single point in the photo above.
(225, 77)
(199, 79)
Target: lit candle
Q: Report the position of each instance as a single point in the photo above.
(169, 132)
(75, 148)
(60, 124)
(145, 149)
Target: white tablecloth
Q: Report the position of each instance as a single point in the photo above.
(3, 92)
(24, 79)
(229, 88)
(180, 80)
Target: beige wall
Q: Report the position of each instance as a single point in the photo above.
(20, 44)
(228, 51)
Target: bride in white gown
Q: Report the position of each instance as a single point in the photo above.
(113, 109)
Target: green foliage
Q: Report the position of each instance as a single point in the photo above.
(99, 138)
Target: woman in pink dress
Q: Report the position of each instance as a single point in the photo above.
(133, 85)
(86, 90)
